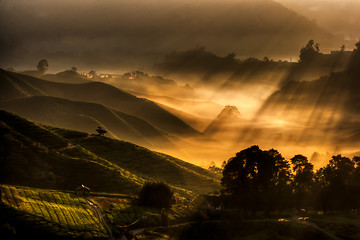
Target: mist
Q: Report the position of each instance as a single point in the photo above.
(322, 12)
(193, 59)
(125, 35)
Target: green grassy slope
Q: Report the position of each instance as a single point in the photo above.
(48, 213)
(151, 165)
(23, 85)
(85, 116)
(47, 157)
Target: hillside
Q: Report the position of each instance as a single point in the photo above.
(86, 117)
(144, 83)
(67, 76)
(227, 120)
(48, 214)
(47, 157)
(14, 86)
(326, 108)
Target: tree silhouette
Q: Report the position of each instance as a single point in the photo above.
(101, 131)
(303, 180)
(354, 64)
(156, 194)
(42, 66)
(309, 52)
(335, 183)
(255, 179)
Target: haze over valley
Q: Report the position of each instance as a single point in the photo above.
(215, 104)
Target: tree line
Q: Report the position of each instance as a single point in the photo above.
(263, 180)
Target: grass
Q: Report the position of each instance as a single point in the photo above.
(54, 158)
(62, 214)
(33, 131)
(159, 166)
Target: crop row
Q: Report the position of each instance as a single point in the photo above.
(66, 210)
(124, 214)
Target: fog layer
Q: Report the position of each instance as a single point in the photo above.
(113, 35)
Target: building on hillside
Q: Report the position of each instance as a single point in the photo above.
(83, 191)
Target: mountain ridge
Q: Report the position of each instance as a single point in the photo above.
(96, 92)
(86, 116)
(42, 156)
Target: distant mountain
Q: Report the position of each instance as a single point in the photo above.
(202, 108)
(46, 157)
(196, 122)
(85, 116)
(67, 76)
(14, 86)
(144, 83)
(330, 105)
(141, 33)
(227, 120)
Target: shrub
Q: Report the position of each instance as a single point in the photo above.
(156, 194)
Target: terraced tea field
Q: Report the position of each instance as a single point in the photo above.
(123, 214)
(61, 213)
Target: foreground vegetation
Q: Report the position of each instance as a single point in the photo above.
(51, 213)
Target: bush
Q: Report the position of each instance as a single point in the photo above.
(156, 194)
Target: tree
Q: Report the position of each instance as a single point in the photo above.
(214, 168)
(303, 180)
(74, 69)
(335, 184)
(156, 194)
(42, 66)
(101, 131)
(309, 52)
(354, 64)
(254, 178)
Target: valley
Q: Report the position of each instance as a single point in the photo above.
(179, 120)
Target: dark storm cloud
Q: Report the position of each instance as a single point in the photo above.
(114, 34)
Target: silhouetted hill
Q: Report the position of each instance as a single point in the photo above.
(66, 76)
(196, 122)
(202, 67)
(337, 92)
(85, 116)
(227, 121)
(330, 105)
(41, 156)
(153, 85)
(25, 86)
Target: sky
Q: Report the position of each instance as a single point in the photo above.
(111, 35)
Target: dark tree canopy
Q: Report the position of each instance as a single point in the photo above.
(42, 66)
(355, 59)
(303, 180)
(255, 178)
(309, 52)
(101, 131)
(258, 180)
(156, 194)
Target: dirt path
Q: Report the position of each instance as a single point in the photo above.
(100, 217)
